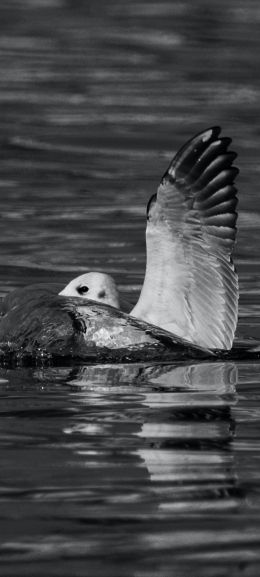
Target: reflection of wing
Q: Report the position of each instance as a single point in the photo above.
(190, 285)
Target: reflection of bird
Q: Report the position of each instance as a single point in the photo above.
(190, 291)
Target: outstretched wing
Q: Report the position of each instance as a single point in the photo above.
(190, 286)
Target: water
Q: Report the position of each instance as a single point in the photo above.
(136, 470)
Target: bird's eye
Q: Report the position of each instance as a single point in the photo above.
(82, 290)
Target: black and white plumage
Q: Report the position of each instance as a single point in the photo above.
(190, 286)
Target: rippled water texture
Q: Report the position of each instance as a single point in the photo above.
(138, 470)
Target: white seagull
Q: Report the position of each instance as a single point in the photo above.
(189, 300)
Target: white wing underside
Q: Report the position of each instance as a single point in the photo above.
(190, 286)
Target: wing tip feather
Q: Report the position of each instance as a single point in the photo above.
(208, 217)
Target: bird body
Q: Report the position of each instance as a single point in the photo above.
(44, 324)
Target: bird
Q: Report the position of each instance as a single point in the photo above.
(188, 305)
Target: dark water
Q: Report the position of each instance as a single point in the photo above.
(135, 470)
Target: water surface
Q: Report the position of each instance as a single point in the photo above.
(136, 470)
